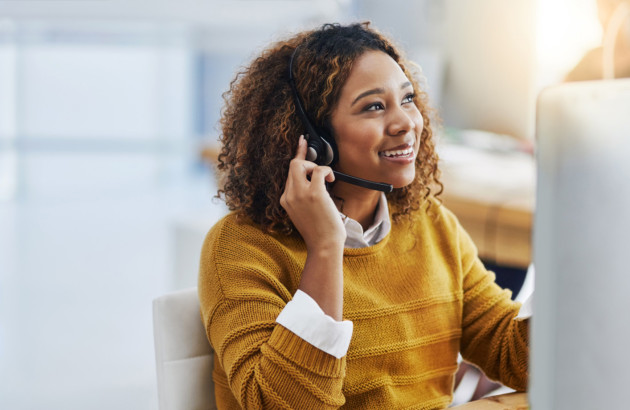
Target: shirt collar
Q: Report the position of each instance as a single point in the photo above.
(357, 238)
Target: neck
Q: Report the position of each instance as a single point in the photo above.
(356, 202)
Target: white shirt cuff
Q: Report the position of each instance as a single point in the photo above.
(525, 311)
(526, 294)
(303, 316)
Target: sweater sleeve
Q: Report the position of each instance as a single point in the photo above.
(492, 337)
(241, 294)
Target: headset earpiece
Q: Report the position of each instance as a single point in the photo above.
(328, 153)
(311, 151)
(319, 150)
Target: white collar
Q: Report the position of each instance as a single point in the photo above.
(357, 238)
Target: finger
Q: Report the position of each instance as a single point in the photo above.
(302, 147)
(322, 174)
(300, 168)
(330, 177)
(299, 175)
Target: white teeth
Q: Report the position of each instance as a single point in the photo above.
(398, 152)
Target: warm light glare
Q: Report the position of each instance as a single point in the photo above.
(566, 29)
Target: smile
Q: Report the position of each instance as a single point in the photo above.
(397, 153)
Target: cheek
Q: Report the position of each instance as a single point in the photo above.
(419, 129)
(354, 137)
(419, 120)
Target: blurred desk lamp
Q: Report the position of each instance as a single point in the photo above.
(614, 27)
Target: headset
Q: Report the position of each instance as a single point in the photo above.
(322, 149)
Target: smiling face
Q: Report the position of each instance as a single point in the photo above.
(376, 123)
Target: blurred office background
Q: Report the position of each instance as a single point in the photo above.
(105, 110)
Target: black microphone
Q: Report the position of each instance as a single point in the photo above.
(364, 183)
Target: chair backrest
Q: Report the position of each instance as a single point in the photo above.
(184, 358)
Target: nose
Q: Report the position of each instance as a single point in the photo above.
(402, 120)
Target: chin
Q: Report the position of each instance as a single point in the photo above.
(402, 182)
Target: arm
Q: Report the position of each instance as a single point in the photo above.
(491, 337)
(315, 216)
(242, 296)
(245, 282)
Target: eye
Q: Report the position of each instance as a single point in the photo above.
(409, 98)
(374, 107)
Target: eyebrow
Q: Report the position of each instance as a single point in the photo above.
(377, 91)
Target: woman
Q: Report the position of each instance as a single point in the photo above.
(317, 293)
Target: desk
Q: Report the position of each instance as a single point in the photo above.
(492, 194)
(511, 401)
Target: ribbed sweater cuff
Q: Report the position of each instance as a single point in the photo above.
(304, 354)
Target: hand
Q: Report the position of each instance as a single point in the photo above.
(309, 204)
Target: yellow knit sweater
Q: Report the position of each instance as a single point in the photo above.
(416, 298)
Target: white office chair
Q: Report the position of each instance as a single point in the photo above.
(184, 358)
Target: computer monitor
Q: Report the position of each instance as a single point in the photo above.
(580, 357)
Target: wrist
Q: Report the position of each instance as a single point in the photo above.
(326, 250)
(322, 278)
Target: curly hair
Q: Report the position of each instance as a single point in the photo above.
(260, 129)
